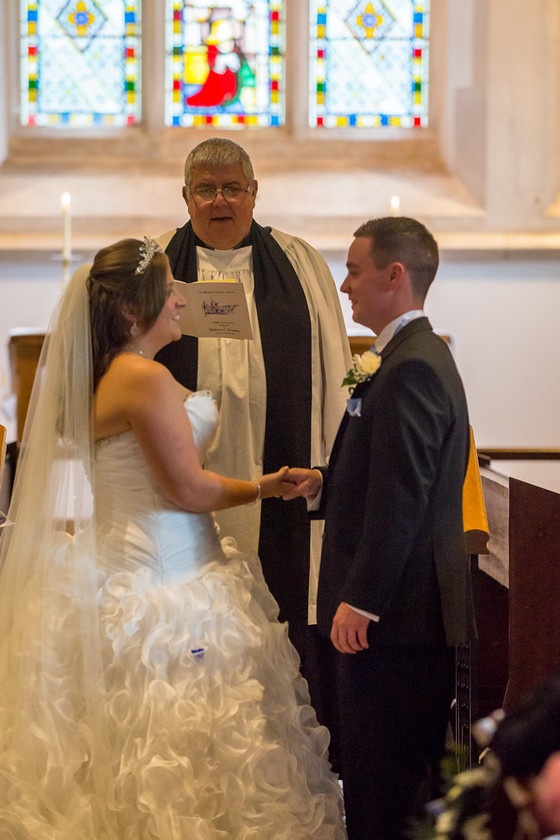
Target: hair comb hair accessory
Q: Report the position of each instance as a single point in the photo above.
(147, 250)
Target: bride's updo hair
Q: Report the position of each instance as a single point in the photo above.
(121, 279)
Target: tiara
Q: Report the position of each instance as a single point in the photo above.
(147, 250)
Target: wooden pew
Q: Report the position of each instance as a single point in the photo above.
(518, 586)
(24, 349)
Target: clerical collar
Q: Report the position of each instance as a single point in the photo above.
(392, 328)
(247, 240)
(223, 263)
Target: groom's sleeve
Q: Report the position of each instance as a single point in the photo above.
(316, 507)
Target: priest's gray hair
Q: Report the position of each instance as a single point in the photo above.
(218, 151)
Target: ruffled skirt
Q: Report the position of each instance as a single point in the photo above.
(201, 731)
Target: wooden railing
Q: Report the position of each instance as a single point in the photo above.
(518, 454)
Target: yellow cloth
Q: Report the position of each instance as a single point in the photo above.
(475, 521)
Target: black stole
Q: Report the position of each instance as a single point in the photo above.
(285, 329)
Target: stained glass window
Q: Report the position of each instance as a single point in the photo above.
(369, 63)
(225, 63)
(80, 62)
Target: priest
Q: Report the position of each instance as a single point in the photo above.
(279, 393)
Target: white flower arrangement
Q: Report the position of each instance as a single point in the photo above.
(464, 811)
(363, 368)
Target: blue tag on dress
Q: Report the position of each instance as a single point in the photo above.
(354, 406)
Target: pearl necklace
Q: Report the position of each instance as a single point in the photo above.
(140, 352)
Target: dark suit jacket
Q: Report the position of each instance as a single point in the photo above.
(392, 499)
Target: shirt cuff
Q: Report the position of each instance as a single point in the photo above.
(363, 612)
(314, 502)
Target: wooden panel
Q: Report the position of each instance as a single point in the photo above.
(517, 591)
(541, 453)
(2, 450)
(4, 495)
(492, 618)
(360, 343)
(534, 588)
(24, 352)
(492, 599)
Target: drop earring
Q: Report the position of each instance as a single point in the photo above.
(134, 330)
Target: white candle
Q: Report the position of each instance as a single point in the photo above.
(65, 202)
(395, 205)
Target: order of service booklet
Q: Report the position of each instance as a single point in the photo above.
(214, 309)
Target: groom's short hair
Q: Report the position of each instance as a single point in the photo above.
(404, 240)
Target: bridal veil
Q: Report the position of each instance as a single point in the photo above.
(48, 610)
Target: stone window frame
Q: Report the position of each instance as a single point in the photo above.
(151, 139)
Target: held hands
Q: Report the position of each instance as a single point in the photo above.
(274, 484)
(302, 482)
(290, 483)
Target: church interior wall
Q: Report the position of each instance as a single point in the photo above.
(462, 89)
(3, 87)
(500, 312)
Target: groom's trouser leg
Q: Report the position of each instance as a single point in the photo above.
(394, 705)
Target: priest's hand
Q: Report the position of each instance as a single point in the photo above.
(303, 482)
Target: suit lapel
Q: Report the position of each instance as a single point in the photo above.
(357, 393)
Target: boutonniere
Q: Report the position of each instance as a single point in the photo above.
(363, 368)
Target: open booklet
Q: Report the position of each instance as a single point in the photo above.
(215, 309)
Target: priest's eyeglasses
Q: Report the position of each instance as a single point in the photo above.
(207, 193)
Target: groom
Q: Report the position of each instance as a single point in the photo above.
(394, 586)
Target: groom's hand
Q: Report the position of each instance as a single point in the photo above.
(349, 630)
(304, 482)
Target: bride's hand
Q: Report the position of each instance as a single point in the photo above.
(274, 484)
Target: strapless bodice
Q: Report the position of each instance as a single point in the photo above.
(137, 526)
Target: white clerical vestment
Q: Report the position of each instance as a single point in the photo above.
(234, 371)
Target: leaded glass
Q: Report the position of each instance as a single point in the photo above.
(80, 62)
(369, 63)
(225, 63)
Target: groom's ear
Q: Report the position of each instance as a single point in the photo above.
(397, 275)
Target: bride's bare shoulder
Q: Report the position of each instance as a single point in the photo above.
(132, 375)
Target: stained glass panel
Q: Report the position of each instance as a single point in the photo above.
(369, 63)
(225, 63)
(80, 62)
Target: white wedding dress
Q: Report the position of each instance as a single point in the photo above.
(207, 720)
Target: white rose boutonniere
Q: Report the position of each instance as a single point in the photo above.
(363, 368)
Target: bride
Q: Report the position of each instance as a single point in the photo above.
(148, 690)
